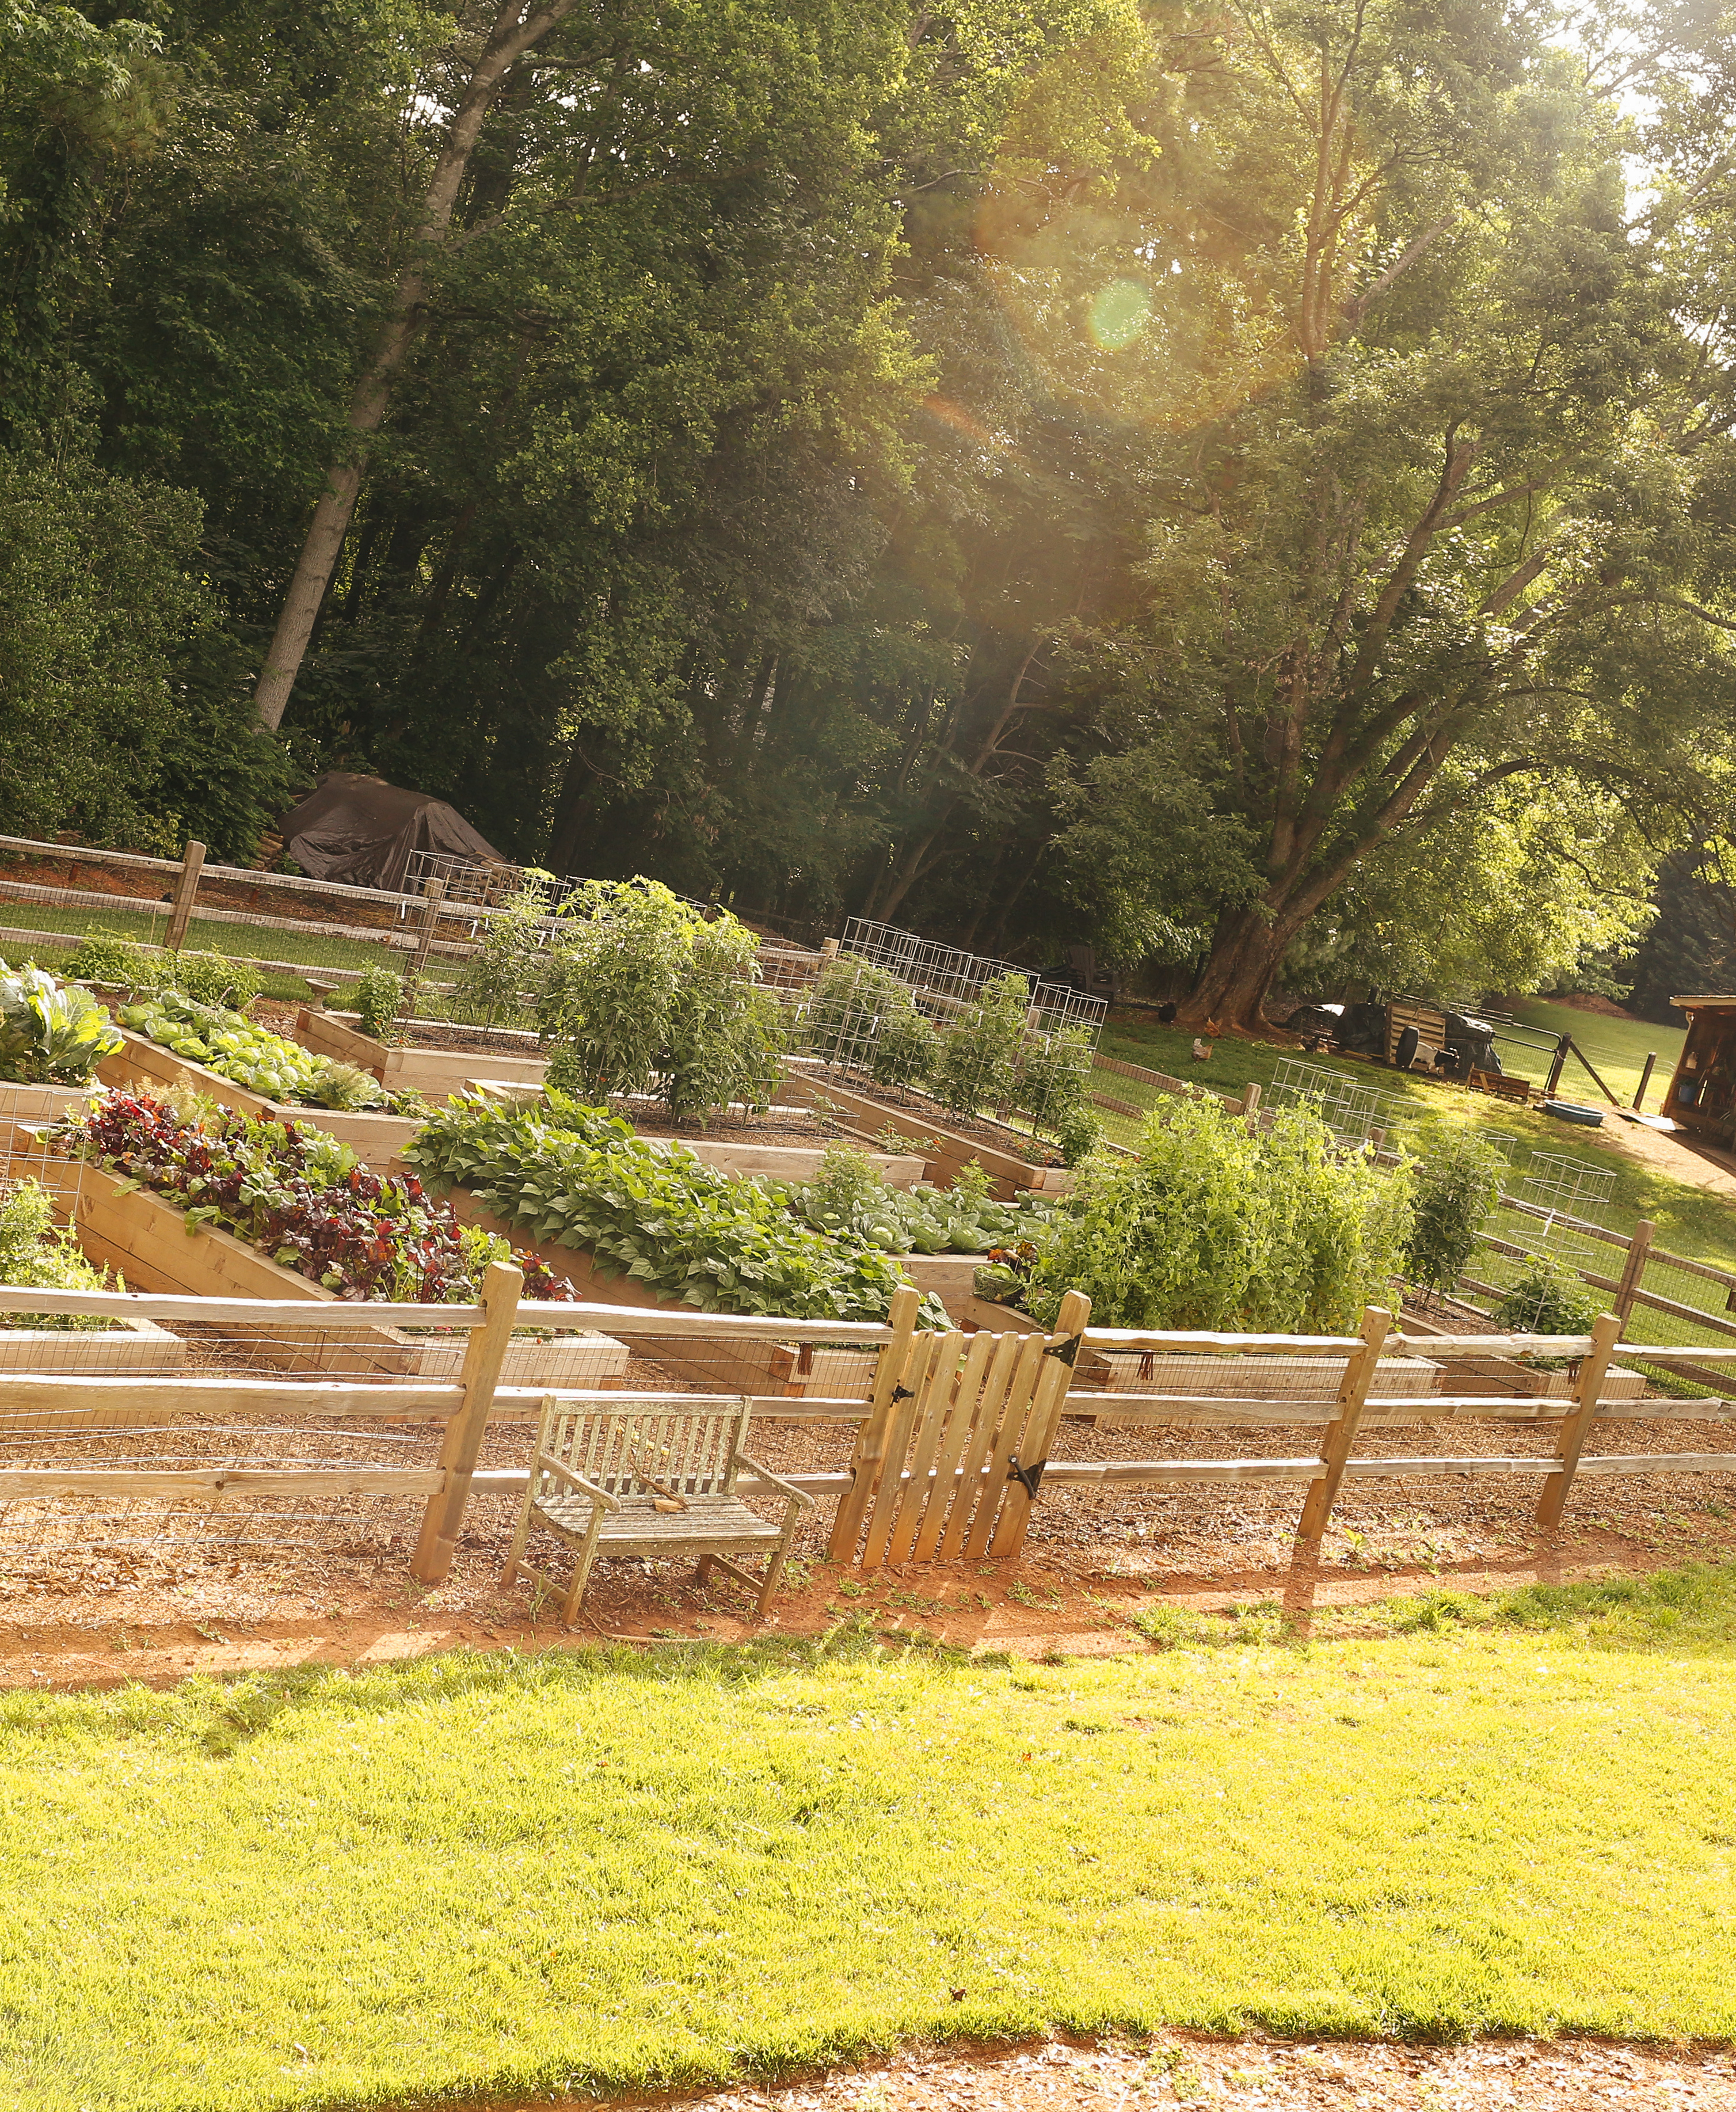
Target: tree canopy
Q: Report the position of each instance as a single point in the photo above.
(1251, 487)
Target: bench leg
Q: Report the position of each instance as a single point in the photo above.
(581, 1568)
(779, 1556)
(704, 1570)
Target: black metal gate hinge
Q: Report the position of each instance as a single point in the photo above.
(1029, 1479)
(1066, 1352)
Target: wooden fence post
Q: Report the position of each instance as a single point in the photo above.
(1633, 1271)
(1053, 1384)
(483, 1355)
(186, 889)
(1360, 1368)
(1576, 1424)
(433, 897)
(1251, 1109)
(870, 1439)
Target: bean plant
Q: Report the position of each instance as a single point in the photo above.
(849, 1194)
(577, 1176)
(1206, 1225)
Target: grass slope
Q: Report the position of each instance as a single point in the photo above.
(477, 1874)
(1618, 1048)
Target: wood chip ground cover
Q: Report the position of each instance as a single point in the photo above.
(599, 1871)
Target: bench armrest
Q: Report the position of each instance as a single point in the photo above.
(543, 1465)
(777, 1480)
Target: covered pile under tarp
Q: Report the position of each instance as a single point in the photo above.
(362, 830)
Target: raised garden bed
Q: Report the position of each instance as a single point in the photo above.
(435, 1072)
(150, 1242)
(1311, 1379)
(145, 1066)
(122, 1346)
(949, 1146)
(738, 1150)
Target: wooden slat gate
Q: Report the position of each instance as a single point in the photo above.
(950, 1457)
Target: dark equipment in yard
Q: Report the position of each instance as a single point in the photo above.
(362, 831)
(1412, 1034)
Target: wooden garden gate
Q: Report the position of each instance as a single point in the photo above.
(958, 1431)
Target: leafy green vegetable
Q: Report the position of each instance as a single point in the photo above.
(50, 1033)
(574, 1176)
(37, 1254)
(848, 1194)
(231, 1045)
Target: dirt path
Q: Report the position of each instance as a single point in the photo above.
(1063, 2075)
(1671, 1156)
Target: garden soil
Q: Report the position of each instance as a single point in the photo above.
(1060, 2075)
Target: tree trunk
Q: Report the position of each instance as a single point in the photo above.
(517, 28)
(1242, 964)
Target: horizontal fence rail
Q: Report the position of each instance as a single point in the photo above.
(60, 1429)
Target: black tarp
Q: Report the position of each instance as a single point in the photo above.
(362, 831)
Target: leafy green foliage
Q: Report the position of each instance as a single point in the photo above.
(979, 1056)
(725, 1032)
(576, 1176)
(231, 1045)
(849, 1194)
(1208, 1227)
(209, 979)
(1457, 1184)
(37, 1254)
(108, 957)
(1055, 1090)
(864, 1016)
(502, 979)
(378, 999)
(1546, 1297)
(103, 617)
(50, 1033)
(643, 993)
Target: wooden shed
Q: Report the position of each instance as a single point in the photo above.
(1702, 1093)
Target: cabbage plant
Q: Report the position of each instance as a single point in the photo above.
(51, 1032)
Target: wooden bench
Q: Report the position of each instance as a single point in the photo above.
(651, 1476)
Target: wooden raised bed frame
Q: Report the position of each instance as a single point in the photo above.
(404, 1070)
(145, 1066)
(148, 1241)
(950, 1154)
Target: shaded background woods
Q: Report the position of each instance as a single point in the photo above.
(1246, 489)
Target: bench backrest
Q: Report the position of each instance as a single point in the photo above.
(687, 1444)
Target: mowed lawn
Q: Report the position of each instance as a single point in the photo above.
(588, 1870)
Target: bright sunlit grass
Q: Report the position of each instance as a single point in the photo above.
(489, 1873)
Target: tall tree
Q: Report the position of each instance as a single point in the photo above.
(1459, 521)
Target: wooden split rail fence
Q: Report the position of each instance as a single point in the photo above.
(955, 1433)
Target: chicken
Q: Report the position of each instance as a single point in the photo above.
(1201, 1052)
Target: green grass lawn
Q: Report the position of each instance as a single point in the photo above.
(1618, 1048)
(589, 1870)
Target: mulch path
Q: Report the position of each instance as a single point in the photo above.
(1065, 2075)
